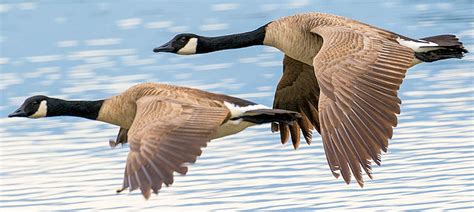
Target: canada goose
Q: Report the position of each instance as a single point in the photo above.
(357, 67)
(165, 125)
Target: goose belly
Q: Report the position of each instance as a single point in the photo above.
(231, 127)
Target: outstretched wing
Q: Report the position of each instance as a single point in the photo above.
(359, 73)
(163, 138)
(298, 90)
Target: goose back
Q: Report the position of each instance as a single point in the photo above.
(292, 34)
(120, 110)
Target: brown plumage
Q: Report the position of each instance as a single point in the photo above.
(342, 75)
(164, 136)
(359, 70)
(298, 78)
(170, 126)
(165, 126)
(353, 99)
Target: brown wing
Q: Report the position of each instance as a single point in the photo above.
(163, 138)
(298, 90)
(359, 73)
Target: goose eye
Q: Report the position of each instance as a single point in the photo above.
(183, 39)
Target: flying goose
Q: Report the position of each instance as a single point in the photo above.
(166, 126)
(341, 75)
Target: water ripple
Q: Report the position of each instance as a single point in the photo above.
(66, 163)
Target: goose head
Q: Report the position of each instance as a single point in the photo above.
(184, 44)
(33, 107)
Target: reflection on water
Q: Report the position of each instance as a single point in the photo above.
(91, 50)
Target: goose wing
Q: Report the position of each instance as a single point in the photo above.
(164, 137)
(359, 73)
(298, 91)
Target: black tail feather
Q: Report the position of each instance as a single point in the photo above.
(448, 41)
(262, 116)
(450, 45)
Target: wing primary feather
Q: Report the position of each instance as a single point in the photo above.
(284, 132)
(306, 127)
(331, 154)
(352, 145)
(295, 135)
(345, 170)
(348, 157)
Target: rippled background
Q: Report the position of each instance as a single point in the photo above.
(81, 49)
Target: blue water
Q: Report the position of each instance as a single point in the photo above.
(92, 50)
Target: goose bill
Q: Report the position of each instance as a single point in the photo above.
(18, 113)
(164, 48)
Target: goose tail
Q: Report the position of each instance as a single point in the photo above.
(262, 116)
(436, 48)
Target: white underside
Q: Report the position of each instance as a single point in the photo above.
(421, 46)
(234, 126)
(417, 46)
(231, 127)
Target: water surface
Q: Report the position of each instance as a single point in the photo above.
(92, 50)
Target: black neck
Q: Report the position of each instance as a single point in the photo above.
(84, 109)
(241, 40)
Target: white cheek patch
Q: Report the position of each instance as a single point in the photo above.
(42, 110)
(190, 47)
